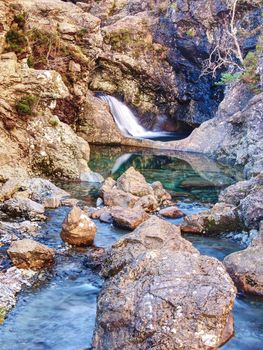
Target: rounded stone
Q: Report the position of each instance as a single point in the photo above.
(78, 229)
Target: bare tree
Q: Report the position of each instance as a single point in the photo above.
(227, 51)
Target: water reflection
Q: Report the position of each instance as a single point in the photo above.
(184, 175)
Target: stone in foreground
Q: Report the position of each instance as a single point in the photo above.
(78, 229)
(166, 295)
(128, 218)
(29, 254)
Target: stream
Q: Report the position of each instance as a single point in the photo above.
(59, 313)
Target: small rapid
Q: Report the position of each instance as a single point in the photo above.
(129, 125)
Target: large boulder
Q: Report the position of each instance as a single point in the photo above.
(248, 197)
(78, 229)
(166, 295)
(152, 234)
(235, 134)
(11, 282)
(29, 254)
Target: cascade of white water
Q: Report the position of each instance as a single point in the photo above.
(127, 121)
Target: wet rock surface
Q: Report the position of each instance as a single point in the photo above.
(150, 309)
(29, 254)
(239, 206)
(128, 218)
(11, 282)
(246, 267)
(171, 212)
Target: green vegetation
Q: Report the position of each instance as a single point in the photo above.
(119, 39)
(250, 75)
(25, 105)
(44, 45)
(191, 32)
(53, 122)
(20, 20)
(228, 78)
(16, 40)
(3, 313)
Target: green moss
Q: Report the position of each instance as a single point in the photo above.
(25, 105)
(20, 20)
(16, 40)
(3, 313)
(30, 61)
(53, 122)
(250, 75)
(191, 32)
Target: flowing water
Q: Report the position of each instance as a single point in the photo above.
(59, 314)
(130, 126)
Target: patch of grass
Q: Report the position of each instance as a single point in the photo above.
(25, 105)
(16, 40)
(250, 75)
(44, 46)
(30, 61)
(53, 122)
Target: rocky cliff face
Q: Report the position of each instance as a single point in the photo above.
(55, 55)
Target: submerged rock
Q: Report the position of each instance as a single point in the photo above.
(78, 229)
(166, 295)
(29, 254)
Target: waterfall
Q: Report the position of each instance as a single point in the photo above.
(127, 121)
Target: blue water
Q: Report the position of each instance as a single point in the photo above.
(59, 314)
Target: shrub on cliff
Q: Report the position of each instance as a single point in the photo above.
(25, 105)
